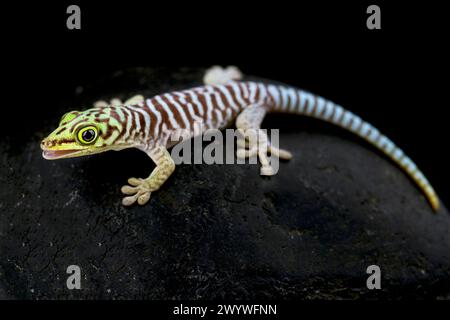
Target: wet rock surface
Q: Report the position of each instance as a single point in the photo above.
(219, 231)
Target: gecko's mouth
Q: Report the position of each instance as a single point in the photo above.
(57, 154)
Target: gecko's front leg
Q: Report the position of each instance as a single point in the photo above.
(141, 189)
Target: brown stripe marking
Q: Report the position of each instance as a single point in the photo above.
(288, 106)
(224, 99)
(202, 102)
(230, 90)
(280, 94)
(333, 110)
(184, 107)
(72, 128)
(246, 94)
(164, 115)
(61, 141)
(176, 113)
(60, 130)
(339, 121)
(191, 100)
(124, 128)
(314, 107)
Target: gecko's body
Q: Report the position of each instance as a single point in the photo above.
(148, 124)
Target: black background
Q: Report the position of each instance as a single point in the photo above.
(395, 78)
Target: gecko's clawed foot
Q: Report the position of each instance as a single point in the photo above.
(137, 190)
(251, 144)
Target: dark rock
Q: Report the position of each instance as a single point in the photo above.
(218, 231)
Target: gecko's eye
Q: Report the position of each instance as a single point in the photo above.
(87, 135)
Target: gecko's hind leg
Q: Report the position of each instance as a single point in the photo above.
(254, 141)
(246, 149)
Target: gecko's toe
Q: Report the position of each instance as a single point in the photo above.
(134, 181)
(280, 153)
(143, 198)
(136, 191)
(100, 104)
(128, 201)
(129, 190)
(116, 102)
(243, 153)
(136, 194)
(267, 171)
(242, 143)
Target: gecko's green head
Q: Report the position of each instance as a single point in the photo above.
(80, 134)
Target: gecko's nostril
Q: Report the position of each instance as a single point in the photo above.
(44, 143)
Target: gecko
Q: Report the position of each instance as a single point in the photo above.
(147, 124)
